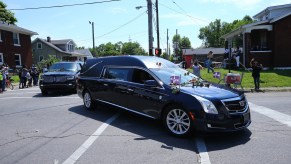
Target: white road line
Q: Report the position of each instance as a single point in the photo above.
(278, 116)
(202, 150)
(85, 146)
(5, 98)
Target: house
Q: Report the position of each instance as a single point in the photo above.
(61, 49)
(200, 54)
(268, 39)
(15, 45)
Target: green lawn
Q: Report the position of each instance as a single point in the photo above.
(270, 78)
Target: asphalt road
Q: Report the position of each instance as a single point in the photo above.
(57, 129)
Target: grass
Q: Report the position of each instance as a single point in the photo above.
(270, 78)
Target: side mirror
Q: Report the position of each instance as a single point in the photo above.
(151, 83)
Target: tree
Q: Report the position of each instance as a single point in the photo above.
(211, 34)
(6, 15)
(47, 62)
(185, 43)
(132, 48)
(179, 44)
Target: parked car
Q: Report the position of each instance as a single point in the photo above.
(60, 76)
(158, 89)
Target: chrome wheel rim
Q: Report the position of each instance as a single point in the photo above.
(87, 100)
(178, 121)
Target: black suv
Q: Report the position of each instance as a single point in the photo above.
(159, 89)
(60, 76)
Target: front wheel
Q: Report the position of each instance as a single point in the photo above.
(88, 101)
(44, 92)
(177, 121)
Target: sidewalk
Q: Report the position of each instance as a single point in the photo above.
(270, 89)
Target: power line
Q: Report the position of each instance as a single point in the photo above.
(59, 6)
(122, 25)
(184, 14)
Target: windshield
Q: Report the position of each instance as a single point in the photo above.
(63, 67)
(174, 75)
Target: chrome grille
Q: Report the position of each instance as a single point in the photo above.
(48, 79)
(61, 78)
(235, 105)
(57, 79)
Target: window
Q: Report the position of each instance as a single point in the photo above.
(1, 58)
(260, 40)
(70, 47)
(17, 59)
(117, 73)
(16, 39)
(39, 45)
(40, 58)
(140, 76)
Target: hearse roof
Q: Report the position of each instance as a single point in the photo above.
(133, 60)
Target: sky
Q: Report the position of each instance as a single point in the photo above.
(120, 20)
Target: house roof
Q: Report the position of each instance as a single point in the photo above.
(63, 41)
(203, 51)
(280, 17)
(57, 48)
(16, 29)
(269, 9)
(86, 52)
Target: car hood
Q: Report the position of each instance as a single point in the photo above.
(64, 73)
(218, 92)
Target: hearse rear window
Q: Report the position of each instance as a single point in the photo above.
(117, 73)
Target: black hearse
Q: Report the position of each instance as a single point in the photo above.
(158, 89)
(60, 76)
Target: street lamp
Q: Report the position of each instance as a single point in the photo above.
(92, 23)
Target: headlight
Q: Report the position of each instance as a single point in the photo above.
(70, 77)
(207, 105)
(41, 77)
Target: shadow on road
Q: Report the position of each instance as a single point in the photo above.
(142, 128)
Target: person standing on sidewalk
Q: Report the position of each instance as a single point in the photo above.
(196, 68)
(256, 73)
(209, 62)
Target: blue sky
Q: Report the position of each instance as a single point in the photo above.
(188, 16)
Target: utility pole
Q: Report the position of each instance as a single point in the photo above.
(150, 27)
(168, 44)
(158, 27)
(92, 23)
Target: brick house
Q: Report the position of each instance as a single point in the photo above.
(268, 39)
(15, 45)
(61, 49)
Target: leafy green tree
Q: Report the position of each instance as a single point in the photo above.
(185, 43)
(47, 62)
(132, 48)
(181, 43)
(211, 34)
(6, 15)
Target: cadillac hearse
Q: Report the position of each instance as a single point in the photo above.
(157, 88)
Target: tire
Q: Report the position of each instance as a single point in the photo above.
(88, 101)
(44, 92)
(11, 86)
(177, 121)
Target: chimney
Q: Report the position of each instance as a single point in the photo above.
(48, 39)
